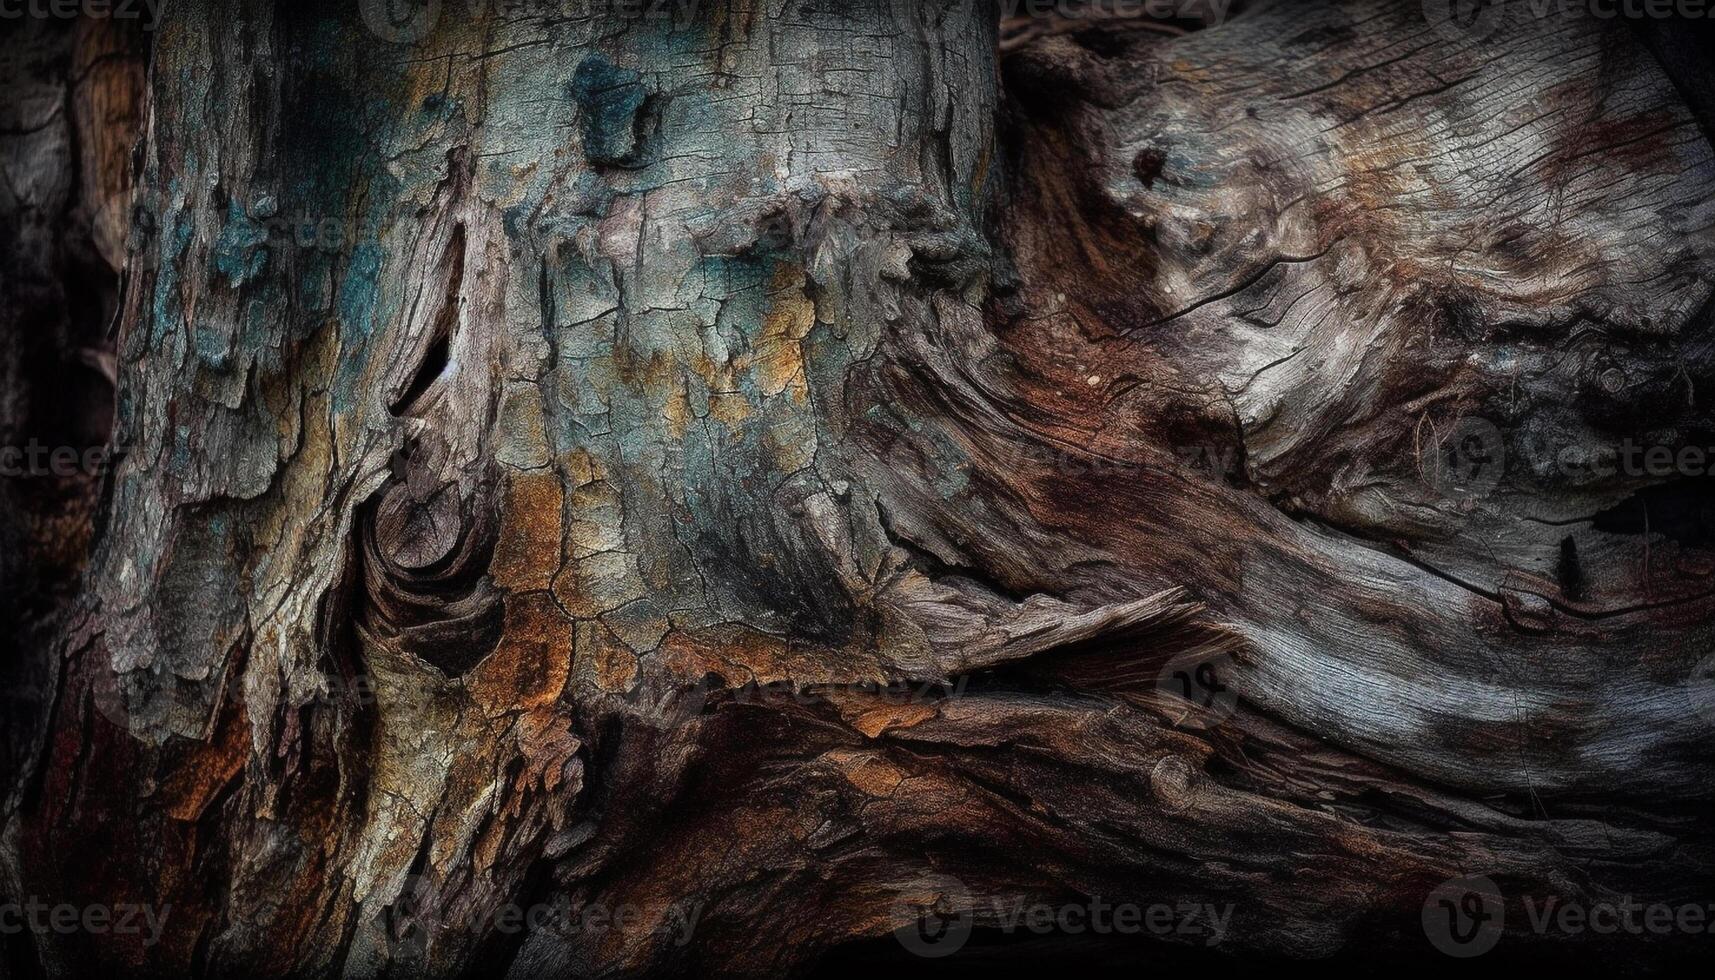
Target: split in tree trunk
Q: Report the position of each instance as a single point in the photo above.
(764, 471)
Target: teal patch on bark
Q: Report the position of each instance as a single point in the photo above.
(213, 346)
(175, 236)
(359, 292)
(239, 254)
(610, 102)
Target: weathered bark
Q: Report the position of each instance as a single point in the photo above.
(658, 359)
(74, 92)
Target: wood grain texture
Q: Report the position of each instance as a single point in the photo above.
(762, 469)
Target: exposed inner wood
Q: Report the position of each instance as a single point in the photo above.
(676, 393)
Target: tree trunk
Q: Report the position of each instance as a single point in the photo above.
(739, 475)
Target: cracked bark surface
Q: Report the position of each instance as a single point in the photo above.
(463, 557)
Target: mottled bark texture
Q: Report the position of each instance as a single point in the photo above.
(501, 408)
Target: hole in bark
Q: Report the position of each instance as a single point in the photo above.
(619, 118)
(434, 365)
(1683, 511)
(1147, 165)
(1569, 569)
(425, 549)
(435, 360)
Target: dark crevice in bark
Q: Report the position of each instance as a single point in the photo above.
(626, 518)
(432, 364)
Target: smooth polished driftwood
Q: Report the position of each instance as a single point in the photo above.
(765, 468)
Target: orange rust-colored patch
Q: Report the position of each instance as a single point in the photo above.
(867, 771)
(874, 721)
(528, 552)
(779, 356)
(616, 668)
(192, 784)
(604, 660)
(741, 655)
(677, 411)
(729, 409)
(530, 664)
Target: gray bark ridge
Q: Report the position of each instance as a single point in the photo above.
(548, 438)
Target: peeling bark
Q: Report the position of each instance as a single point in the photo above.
(764, 469)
